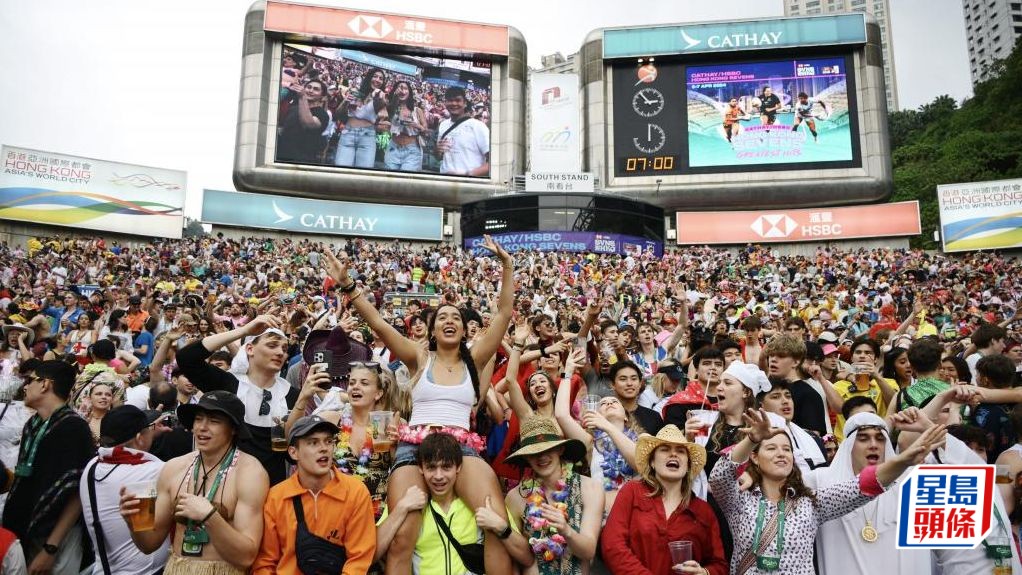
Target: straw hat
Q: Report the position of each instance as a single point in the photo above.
(539, 435)
(669, 434)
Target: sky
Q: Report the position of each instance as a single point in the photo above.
(157, 83)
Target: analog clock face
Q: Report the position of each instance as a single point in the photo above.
(651, 141)
(648, 102)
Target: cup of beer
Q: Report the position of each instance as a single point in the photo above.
(591, 402)
(705, 416)
(278, 438)
(862, 377)
(145, 492)
(1003, 475)
(378, 423)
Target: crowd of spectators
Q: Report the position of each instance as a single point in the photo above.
(606, 391)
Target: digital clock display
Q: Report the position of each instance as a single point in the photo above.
(647, 164)
(649, 124)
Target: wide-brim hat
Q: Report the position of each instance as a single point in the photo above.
(29, 339)
(669, 435)
(538, 435)
(223, 402)
(344, 349)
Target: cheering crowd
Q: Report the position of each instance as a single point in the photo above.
(220, 406)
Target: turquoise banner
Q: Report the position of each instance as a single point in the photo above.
(321, 216)
(734, 36)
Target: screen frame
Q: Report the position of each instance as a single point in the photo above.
(723, 59)
(276, 50)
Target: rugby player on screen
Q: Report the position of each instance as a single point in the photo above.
(732, 115)
(804, 112)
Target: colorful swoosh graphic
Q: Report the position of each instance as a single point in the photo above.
(37, 205)
(142, 181)
(962, 235)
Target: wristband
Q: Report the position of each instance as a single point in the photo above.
(542, 352)
(348, 288)
(208, 515)
(505, 533)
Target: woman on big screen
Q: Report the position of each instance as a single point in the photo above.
(358, 117)
(445, 392)
(407, 124)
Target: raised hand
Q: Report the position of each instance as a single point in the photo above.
(758, 427)
(496, 249)
(337, 268)
(912, 419)
(262, 323)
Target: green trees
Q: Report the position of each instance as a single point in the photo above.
(942, 143)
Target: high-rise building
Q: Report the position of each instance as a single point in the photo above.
(879, 9)
(991, 28)
(556, 63)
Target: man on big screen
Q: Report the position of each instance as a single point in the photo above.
(463, 143)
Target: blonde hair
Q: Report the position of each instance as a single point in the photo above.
(649, 478)
(659, 383)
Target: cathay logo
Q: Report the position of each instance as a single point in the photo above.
(774, 226)
(282, 217)
(690, 41)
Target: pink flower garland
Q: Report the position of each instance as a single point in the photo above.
(415, 435)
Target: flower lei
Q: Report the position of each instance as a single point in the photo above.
(415, 435)
(343, 448)
(616, 470)
(550, 546)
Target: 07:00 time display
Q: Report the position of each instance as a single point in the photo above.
(645, 164)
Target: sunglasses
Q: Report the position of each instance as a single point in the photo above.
(373, 365)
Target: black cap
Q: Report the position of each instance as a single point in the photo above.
(123, 423)
(306, 425)
(223, 402)
(673, 370)
(814, 351)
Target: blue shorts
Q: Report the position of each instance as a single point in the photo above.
(407, 454)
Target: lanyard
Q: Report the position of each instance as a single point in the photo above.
(759, 526)
(25, 469)
(224, 465)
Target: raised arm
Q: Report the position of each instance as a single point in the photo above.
(517, 399)
(562, 405)
(486, 346)
(400, 346)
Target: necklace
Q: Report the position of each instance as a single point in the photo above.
(614, 466)
(360, 468)
(869, 533)
(547, 544)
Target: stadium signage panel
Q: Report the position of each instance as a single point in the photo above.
(65, 190)
(981, 215)
(732, 36)
(554, 142)
(549, 241)
(326, 22)
(559, 182)
(321, 216)
(809, 225)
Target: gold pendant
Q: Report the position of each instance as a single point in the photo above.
(869, 535)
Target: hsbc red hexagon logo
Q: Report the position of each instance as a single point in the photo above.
(374, 27)
(774, 226)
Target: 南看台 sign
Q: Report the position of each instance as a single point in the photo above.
(322, 216)
(733, 36)
(559, 182)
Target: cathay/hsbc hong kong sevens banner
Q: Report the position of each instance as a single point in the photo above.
(569, 242)
(64, 190)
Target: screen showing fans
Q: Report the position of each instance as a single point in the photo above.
(383, 111)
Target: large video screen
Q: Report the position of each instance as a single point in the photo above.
(384, 111)
(762, 113)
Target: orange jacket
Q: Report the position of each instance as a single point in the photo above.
(342, 513)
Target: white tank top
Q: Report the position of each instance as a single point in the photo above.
(447, 405)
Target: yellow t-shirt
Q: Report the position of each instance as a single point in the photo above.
(846, 389)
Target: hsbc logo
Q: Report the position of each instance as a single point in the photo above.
(774, 226)
(374, 27)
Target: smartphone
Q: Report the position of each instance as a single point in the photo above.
(323, 356)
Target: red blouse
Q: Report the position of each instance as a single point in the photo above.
(634, 540)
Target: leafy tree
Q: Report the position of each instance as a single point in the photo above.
(942, 143)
